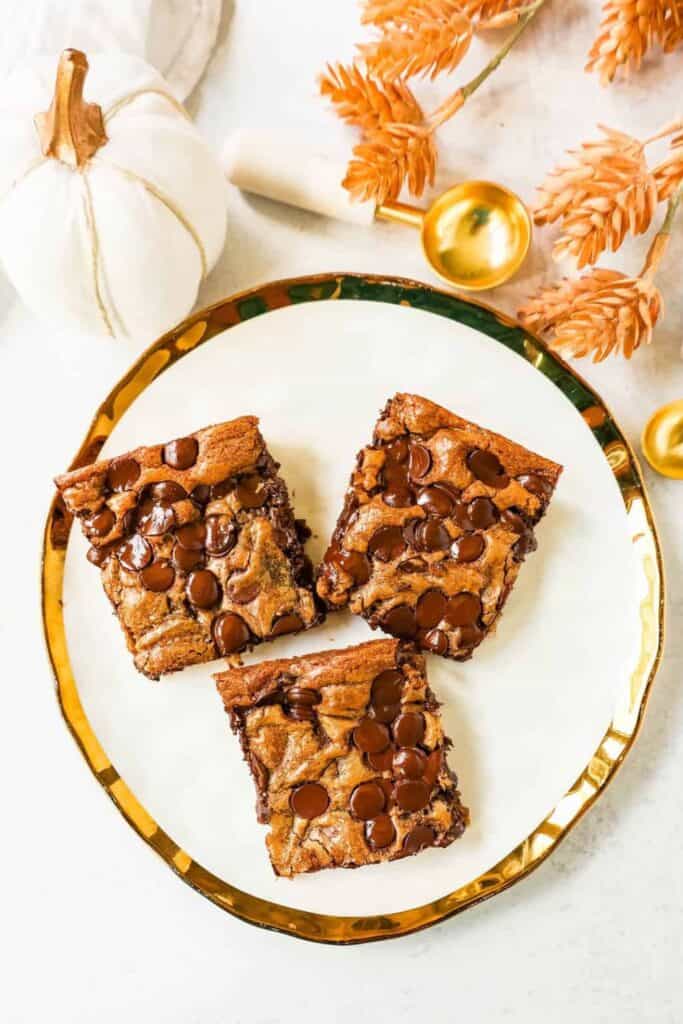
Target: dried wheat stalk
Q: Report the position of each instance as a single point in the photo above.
(628, 29)
(366, 102)
(605, 191)
(484, 14)
(669, 174)
(427, 40)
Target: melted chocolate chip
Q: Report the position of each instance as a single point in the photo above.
(463, 610)
(398, 496)
(487, 467)
(482, 513)
(433, 766)
(367, 800)
(221, 489)
(380, 832)
(98, 556)
(221, 535)
(290, 623)
(386, 688)
(203, 589)
(230, 633)
(436, 499)
(411, 794)
(355, 564)
(251, 492)
(400, 622)
(409, 729)
(468, 548)
(419, 462)
(382, 761)
(470, 636)
(100, 524)
(432, 535)
(135, 554)
(412, 565)
(418, 838)
(371, 736)
(512, 521)
(186, 560)
(159, 520)
(181, 454)
(158, 576)
(430, 609)
(386, 543)
(191, 536)
(201, 494)
(409, 531)
(535, 484)
(310, 800)
(395, 474)
(386, 712)
(302, 696)
(397, 451)
(460, 516)
(524, 546)
(434, 640)
(167, 491)
(122, 474)
(409, 763)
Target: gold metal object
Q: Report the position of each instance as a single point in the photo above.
(662, 440)
(632, 695)
(475, 235)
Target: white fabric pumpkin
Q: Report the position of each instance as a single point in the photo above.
(114, 229)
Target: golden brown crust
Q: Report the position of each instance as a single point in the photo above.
(258, 574)
(400, 535)
(297, 720)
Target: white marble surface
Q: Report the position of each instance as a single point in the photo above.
(96, 927)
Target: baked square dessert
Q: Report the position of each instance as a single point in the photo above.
(197, 544)
(437, 520)
(348, 755)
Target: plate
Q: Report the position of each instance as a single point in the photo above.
(542, 716)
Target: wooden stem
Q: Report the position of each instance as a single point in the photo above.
(661, 240)
(71, 130)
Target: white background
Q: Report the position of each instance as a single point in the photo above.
(96, 927)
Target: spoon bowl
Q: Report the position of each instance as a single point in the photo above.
(662, 440)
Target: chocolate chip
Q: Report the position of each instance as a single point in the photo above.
(524, 546)
(386, 688)
(432, 535)
(386, 543)
(221, 535)
(397, 451)
(409, 763)
(468, 548)
(512, 521)
(230, 632)
(470, 635)
(409, 729)
(412, 565)
(243, 593)
(100, 524)
(460, 516)
(386, 712)
(222, 488)
(398, 496)
(464, 609)
(158, 576)
(251, 492)
(310, 800)
(135, 553)
(301, 714)
(367, 800)
(536, 484)
(380, 832)
(419, 462)
(434, 640)
(302, 696)
(355, 564)
(482, 513)
(191, 536)
(382, 761)
(400, 622)
(181, 454)
(122, 474)
(436, 499)
(371, 736)
(433, 766)
(487, 467)
(167, 491)
(418, 838)
(203, 589)
(159, 520)
(395, 474)
(201, 494)
(409, 531)
(186, 560)
(130, 521)
(411, 794)
(98, 556)
(430, 609)
(388, 788)
(290, 623)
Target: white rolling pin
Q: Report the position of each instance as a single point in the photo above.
(300, 175)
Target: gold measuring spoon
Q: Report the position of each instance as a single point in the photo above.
(662, 440)
(475, 235)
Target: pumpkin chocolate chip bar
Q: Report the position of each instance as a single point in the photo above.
(438, 518)
(348, 755)
(197, 544)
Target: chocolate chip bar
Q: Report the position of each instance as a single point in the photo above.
(197, 544)
(348, 755)
(438, 518)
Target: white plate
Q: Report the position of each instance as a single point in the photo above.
(525, 715)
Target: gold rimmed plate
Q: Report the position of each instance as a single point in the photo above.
(541, 718)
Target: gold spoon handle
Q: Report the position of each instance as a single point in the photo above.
(401, 213)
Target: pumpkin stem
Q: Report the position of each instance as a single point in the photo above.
(71, 130)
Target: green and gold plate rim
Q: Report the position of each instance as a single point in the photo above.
(197, 330)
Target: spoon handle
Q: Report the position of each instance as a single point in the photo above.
(401, 213)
